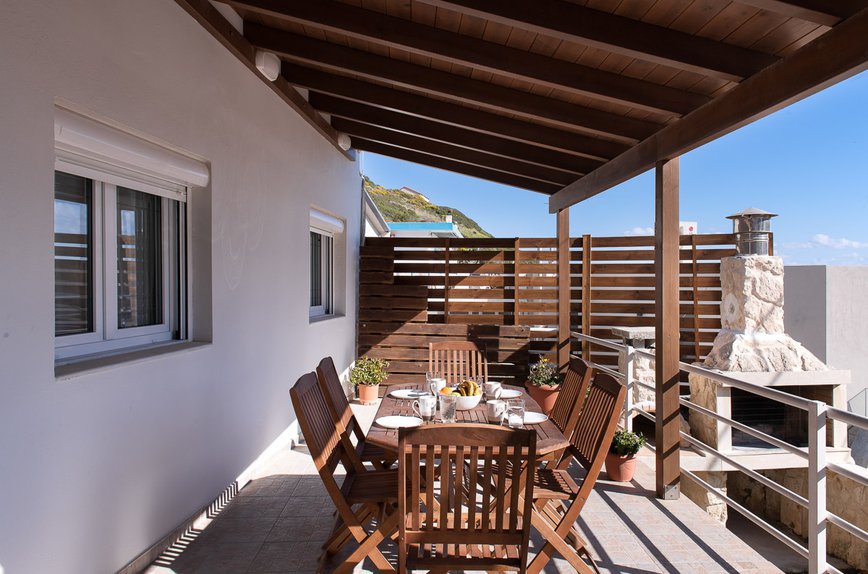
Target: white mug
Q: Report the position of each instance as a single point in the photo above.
(437, 384)
(492, 390)
(495, 409)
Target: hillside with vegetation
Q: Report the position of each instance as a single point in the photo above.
(398, 206)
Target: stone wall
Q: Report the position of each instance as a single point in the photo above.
(845, 498)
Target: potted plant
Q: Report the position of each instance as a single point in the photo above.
(544, 384)
(367, 376)
(621, 460)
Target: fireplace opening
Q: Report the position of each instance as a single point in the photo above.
(774, 418)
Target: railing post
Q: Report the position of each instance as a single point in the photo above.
(629, 355)
(817, 488)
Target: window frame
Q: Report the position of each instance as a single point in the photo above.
(327, 273)
(106, 337)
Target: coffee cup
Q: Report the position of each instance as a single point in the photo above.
(492, 390)
(437, 384)
(495, 409)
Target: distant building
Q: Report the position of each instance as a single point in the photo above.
(425, 229)
(688, 227)
(411, 191)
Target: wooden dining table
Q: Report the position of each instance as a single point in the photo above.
(549, 438)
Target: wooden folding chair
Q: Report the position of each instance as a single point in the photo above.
(342, 414)
(572, 395)
(558, 500)
(457, 360)
(364, 494)
(468, 518)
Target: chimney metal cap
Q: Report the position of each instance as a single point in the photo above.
(751, 211)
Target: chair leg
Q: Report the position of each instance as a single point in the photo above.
(340, 535)
(368, 546)
(554, 542)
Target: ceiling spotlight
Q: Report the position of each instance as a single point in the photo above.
(268, 64)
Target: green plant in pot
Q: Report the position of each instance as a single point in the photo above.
(544, 384)
(621, 460)
(366, 376)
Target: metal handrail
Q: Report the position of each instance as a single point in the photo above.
(819, 414)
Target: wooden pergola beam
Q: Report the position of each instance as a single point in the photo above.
(214, 22)
(342, 108)
(452, 114)
(574, 23)
(454, 166)
(460, 88)
(825, 12)
(444, 45)
(840, 53)
(450, 151)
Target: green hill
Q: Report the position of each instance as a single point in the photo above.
(395, 205)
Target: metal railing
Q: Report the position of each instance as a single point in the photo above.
(818, 414)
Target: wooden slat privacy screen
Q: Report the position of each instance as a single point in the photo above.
(503, 292)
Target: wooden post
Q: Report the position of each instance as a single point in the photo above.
(666, 263)
(446, 283)
(564, 288)
(695, 268)
(586, 295)
(516, 260)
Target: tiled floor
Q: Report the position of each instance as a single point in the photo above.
(277, 523)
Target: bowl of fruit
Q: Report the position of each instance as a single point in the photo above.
(468, 394)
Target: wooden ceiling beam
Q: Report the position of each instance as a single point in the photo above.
(394, 32)
(825, 12)
(455, 166)
(453, 152)
(574, 23)
(342, 108)
(840, 53)
(214, 22)
(519, 131)
(396, 72)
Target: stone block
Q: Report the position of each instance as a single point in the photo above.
(752, 294)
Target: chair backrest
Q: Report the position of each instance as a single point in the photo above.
(339, 406)
(595, 426)
(572, 395)
(327, 441)
(457, 360)
(481, 500)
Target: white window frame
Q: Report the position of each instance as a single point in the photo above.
(330, 227)
(111, 156)
(327, 259)
(106, 336)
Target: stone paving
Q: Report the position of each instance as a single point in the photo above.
(278, 521)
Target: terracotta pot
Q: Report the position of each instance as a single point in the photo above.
(545, 397)
(368, 394)
(620, 468)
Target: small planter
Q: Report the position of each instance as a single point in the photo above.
(368, 394)
(545, 396)
(620, 468)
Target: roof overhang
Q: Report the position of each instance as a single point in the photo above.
(549, 96)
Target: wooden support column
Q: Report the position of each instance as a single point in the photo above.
(564, 288)
(586, 294)
(667, 324)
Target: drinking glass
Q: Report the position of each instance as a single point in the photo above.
(515, 413)
(448, 404)
(425, 407)
(436, 383)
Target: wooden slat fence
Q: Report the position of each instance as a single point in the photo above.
(436, 287)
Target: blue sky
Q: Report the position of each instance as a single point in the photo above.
(808, 163)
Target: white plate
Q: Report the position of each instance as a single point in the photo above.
(398, 421)
(409, 393)
(534, 418)
(510, 394)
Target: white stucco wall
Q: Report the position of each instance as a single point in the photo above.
(96, 468)
(826, 310)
